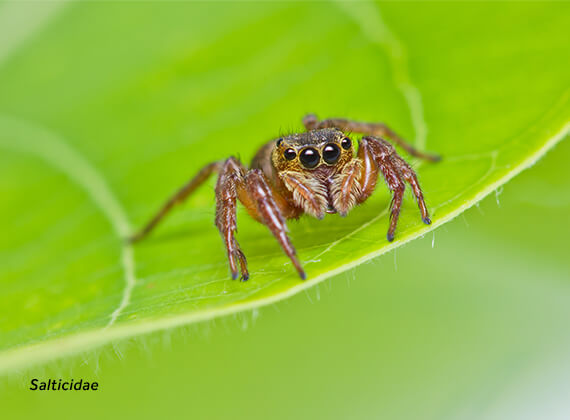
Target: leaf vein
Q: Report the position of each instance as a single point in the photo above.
(28, 138)
(369, 18)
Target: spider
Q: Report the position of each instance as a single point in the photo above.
(315, 172)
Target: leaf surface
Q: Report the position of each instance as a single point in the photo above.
(106, 109)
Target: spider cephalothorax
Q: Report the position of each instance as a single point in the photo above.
(315, 172)
(316, 160)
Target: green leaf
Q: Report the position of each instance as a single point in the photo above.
(105, 109)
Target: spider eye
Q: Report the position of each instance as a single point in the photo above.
(310, 157)
(290, 154)
(346, 143)
(279, 142)
(331, 153)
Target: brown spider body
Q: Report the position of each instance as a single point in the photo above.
(315, 172)
(289, 176)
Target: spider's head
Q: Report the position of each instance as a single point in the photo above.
(328, 148)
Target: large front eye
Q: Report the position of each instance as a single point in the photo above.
(310, 157)
(331, 152)
(289, 154)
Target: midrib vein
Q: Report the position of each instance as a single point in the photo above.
(30, 139)
(368, 17)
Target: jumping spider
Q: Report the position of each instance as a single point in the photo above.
(314, 172)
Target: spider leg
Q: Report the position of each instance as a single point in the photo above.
(177, 198)
(311, 122)
(270, 215)
(411, 178)
(231, 183)
(253, 191)
(396, 172)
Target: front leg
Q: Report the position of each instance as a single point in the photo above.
(269, 214)
(253, 191)
(379, 155)
(311, 122)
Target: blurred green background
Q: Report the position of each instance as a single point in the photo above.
(469, 322)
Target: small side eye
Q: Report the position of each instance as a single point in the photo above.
(346, 143)
(279, 142)
(290, 154)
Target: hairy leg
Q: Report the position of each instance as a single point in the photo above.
(270, 215)
(311, 122)
(396, 172)
(251, 188)
(231, 183)
(177, 198)
(411, 178)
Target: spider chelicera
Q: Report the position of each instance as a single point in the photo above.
(315, 172)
